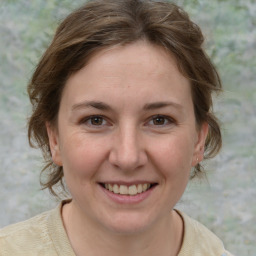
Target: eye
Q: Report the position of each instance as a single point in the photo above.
(160, 120)
(94, 121)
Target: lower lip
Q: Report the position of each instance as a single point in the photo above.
(125, 199)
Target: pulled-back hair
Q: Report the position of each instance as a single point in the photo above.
(101, 24)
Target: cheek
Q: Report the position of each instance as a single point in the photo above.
(82, 157)
(172, 161)
(174, 156)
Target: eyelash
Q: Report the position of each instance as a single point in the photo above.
(166, 118)
(168, 121)
(89, 118)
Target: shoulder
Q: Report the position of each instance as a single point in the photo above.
(200, 241)
(24, 238)
(24, 225)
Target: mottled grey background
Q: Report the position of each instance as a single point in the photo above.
(225, 202)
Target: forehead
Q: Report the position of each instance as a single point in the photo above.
(139, 68)
(151, 58)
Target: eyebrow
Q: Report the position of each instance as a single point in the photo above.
(157, 105)
(94, 104)
(103, 106)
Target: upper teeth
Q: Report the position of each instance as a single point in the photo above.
(127, 190)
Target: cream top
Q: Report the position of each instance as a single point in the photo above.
(45, 234)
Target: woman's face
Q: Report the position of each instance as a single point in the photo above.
(126, 123)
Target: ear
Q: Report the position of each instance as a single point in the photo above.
(54, 143)
(199, 145)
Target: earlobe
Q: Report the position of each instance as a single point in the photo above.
(54, 144)
(199, 146)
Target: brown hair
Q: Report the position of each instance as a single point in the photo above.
(104, 23)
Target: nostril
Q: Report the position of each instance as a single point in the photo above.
(127, 153)
(127, 162)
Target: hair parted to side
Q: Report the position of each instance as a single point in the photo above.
(101, 24)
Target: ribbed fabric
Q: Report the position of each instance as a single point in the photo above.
(45, 235)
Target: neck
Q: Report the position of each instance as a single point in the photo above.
(87, 238)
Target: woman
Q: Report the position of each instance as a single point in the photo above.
(122, 111)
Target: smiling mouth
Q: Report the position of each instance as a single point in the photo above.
(132, 190)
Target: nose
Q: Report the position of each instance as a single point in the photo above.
(128, 152)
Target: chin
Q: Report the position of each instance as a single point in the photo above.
(128, 224)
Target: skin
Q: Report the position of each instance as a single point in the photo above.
(126, 143)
